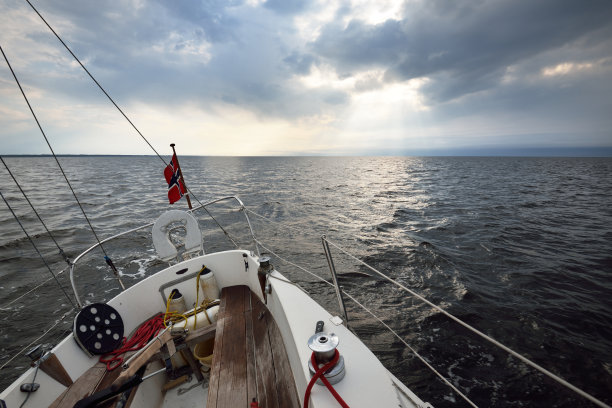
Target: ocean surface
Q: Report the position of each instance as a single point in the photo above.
(520, 248)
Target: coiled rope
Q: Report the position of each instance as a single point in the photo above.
(174, 317)
(139, 339)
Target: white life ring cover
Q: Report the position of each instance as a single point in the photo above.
(161, 240)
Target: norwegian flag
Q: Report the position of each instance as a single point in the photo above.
(176, 188)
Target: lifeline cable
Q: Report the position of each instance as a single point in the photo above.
(15, 355)
(6, 305)
(61, 251)
(416, 353)
(126, 118)
(37, 251)
(94, 79)
(484, 336)
(478, 332)
(106, 257)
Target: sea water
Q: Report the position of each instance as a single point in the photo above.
(520, 248)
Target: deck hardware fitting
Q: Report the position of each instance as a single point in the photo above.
(29, 387)
(264, 270)
(332, 269)
(324, 346)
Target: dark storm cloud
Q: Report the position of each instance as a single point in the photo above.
(206, 53)
(464, 46)
(244, 63)
(211, 16)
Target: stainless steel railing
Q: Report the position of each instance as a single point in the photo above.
(149, 225)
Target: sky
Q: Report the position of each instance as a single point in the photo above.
(294, 77)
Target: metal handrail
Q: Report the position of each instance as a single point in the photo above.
(242, 208)
(206, 204)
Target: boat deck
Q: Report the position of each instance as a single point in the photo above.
(249, 360)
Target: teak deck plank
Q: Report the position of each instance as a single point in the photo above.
(285, 386)
(96, 378)
(81, 388)
(249, 360)
(250, 364)
(213, 383)
(265, 362)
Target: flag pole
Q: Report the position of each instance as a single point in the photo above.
(181, 176)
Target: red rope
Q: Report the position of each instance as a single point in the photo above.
(139, 339)
(321, 374)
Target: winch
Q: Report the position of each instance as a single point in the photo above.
(324, 346)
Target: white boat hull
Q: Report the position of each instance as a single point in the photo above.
(367, 383)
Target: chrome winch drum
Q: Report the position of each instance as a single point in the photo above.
(324, 347)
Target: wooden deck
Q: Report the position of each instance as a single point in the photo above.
(94, 379)
(249, 360)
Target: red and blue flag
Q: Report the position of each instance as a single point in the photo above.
(176, 188)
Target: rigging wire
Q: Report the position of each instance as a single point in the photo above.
(60, 320)
(126, 118)
(61, 251)
(476, 331)
(423, 360)
(213, 218)
(5, 306)
(416, 353)
(106, 257)
(493, 341)
(298, 230)
(525, 360)
(94, 79)
(122, 113)
(37, 251)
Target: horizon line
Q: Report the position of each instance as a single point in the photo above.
(592, 151)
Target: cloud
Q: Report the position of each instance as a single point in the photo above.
(285, 7)
(357, 72)
(464, 46)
